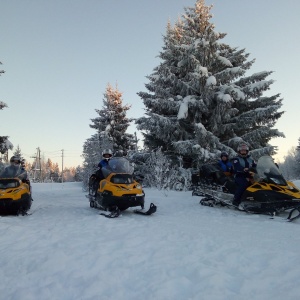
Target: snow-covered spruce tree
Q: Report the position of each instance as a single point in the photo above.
(5, 144)
(200, 101)
(112, 120)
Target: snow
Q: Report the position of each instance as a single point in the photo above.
(224, 97)
(66, 250)
(211, 80)
(224, 61)
(8, 144)
(183, 109)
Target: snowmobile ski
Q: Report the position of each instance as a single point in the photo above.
(113, 214)
(292, 216)
(150, 211)
(116, 212)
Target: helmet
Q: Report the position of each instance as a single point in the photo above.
(15, 159)
(119, 153)
(107, 152)
(224, 154)
(243, 146)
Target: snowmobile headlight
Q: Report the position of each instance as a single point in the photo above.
(138, 186)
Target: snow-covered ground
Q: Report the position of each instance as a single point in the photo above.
(66, 250)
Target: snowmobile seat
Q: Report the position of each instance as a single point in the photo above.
(230, 185)
(213, 172)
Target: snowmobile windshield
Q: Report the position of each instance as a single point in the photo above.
(12, 171)
(267, 171)
(117, 165)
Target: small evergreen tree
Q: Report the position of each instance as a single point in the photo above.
(78, 174)
(18, 152)
(199, 101)
(112, 121)
(161, 172)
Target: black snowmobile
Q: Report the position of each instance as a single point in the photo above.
(118, 190)
(15, 191)
(269, 193)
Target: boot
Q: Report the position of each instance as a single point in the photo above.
(235, 202)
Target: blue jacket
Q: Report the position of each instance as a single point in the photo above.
(225, 165)
(103, 163)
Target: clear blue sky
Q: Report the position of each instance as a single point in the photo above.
(59, 55)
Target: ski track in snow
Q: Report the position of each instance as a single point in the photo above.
(66, 250)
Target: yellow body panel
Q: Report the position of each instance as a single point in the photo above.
(118, 189)
(290, 189)
(14, 194)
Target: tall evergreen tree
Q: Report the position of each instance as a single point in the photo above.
(112, 121)
(5, 144)
(199, 101)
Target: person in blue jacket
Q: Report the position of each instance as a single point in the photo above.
(224, 163)
(98, 175)
(241, 166)
(106, 154)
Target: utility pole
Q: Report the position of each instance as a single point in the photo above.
(40, 163)
(62, 165)
(38, 166)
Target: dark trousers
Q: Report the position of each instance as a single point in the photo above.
(242, 183)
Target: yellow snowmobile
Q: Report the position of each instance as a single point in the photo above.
(118, 190)
(15, 194)
(269, 193)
